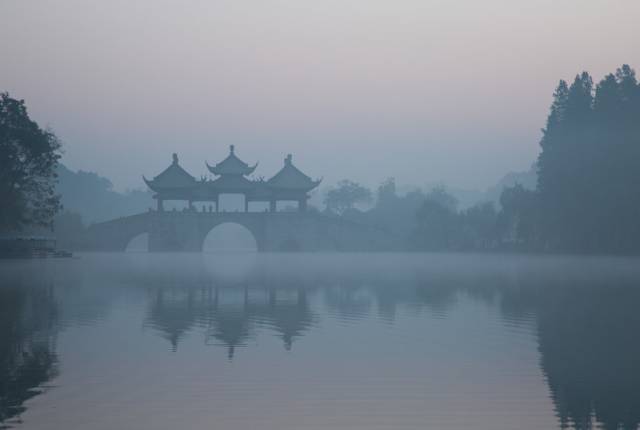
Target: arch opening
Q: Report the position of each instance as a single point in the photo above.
(229, 237)
(138, 243)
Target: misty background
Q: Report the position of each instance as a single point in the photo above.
(427, 92)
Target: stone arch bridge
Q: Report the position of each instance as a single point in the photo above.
(185, 231)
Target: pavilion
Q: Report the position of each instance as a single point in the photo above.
(289, 184)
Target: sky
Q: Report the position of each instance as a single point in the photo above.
(426, 91)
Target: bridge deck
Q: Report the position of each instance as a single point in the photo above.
(273, 231)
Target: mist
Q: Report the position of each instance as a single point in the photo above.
(295, 215)
(424, 91)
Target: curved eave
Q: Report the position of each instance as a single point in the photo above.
(250, 170)
(245, 171)
(171, 191)
(212, 169)
(149, 184)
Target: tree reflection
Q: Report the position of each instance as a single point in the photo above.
(584, 313)
(27, 347)
(587, 324)
(591, 355)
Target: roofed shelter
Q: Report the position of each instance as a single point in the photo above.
(175, 183)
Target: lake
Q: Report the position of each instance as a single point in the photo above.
(319, 341)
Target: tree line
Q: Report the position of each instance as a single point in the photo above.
(587, 197)
(586, 200)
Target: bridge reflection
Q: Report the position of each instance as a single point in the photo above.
(584, 316)
(229, 316)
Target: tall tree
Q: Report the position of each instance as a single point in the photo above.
(28, 160)
(587, 170)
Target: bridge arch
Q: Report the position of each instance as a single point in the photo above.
(230, 236)
(115, 235)
(187, 231)
(138, 243)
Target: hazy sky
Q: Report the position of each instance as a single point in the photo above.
(423, 90)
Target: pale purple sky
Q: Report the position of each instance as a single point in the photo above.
(423, 90)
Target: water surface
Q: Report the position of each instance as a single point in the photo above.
(342, 341)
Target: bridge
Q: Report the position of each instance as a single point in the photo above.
(272, 230)
(185, 231)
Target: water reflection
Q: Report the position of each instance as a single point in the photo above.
(229, 316)
(28, 324)
(582, 311)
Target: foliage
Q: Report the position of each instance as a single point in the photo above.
(437, 222)
(588, 173)
(479, 227)
(387, 193)
(346, 195)
(440, 226)
(517, 221)
(93, 197)
(28, 160)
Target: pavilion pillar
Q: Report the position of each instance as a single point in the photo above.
(218, 203)
(272, 206)
(160, 205)
(302, 205)
(190, 205)
(246, 203)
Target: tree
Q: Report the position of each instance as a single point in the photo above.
(387, 196)
(28, 160)
(479, 224)
(437, 226)
(587, 170)
(345, 196)
(518, 218)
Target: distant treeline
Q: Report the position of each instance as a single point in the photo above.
(94, 199)
(87, 198)
(423, 221)
(587, 197)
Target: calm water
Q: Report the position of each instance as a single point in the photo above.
(319, 342)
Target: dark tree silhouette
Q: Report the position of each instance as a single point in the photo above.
(28, 160)
(588, 172)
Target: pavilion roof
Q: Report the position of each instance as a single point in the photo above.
(231, 165)
(231, 183)
(291, 178)
(173, 177)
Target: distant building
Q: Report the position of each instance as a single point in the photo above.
(289, 184)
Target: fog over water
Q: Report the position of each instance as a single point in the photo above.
(318, 215)
(310, 341)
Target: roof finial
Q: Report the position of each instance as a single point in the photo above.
(231, 148)
(175, 158)
(287, 160)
